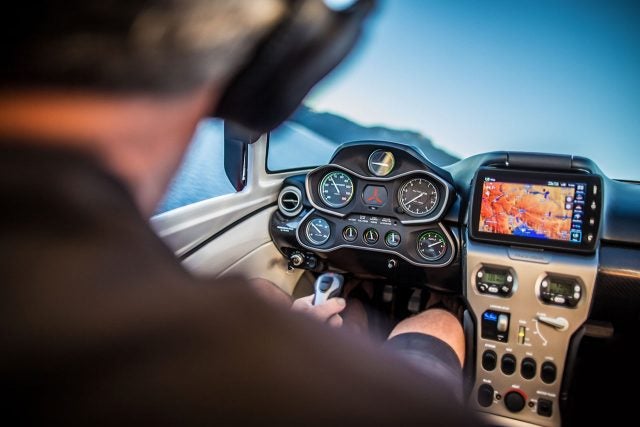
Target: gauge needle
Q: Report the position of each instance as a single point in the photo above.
(417, 197)
(335, 185)
(433, 244)
(317, 229)
(386, 165)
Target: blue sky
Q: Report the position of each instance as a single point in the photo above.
(534, 75)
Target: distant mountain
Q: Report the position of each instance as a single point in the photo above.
(339, 129)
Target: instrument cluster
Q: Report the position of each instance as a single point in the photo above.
(382, 199)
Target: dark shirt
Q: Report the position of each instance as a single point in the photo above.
(100, 324)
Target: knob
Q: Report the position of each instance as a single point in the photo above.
(297, 259)
(485, 395)
(514, 401)
(508, 364)
(548, 372)
(528, 368)
(489, 360)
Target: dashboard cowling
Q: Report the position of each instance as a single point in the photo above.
(358, 235)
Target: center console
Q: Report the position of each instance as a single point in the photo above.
(531, 264)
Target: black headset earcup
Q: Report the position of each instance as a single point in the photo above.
(298, 53)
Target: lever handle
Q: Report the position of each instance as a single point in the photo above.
(560, 323)
(327, 285)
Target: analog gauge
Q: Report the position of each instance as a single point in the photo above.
(318, 231)
(336, 189)
(392, 239)
(431, 245)
(381, 162)
(349, 233)
(418, 197)
(371, 236)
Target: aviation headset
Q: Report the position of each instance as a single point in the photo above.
(309, 42)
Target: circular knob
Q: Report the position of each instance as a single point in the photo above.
(528, 368)
(514, 401)
(297, 259)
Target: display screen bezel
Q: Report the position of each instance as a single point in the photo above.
(539, 178)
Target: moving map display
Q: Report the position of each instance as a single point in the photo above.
(550, 211)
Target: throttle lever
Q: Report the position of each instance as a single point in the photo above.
(327, 285)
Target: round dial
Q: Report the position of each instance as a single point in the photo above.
(318, 231)
(431, 245)
(371, 236)
(381, 162)
(336, 189)
(418, 197)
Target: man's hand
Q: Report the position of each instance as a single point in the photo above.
(327, 312)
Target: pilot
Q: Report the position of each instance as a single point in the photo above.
(100, 322)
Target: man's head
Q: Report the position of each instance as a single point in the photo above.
(128, 80)
(130, 46)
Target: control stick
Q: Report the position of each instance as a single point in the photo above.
(327, 285)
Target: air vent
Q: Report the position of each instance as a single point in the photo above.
(290, 201)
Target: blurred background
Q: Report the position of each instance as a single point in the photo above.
(460, 77)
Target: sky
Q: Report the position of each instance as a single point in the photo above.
(521, 75)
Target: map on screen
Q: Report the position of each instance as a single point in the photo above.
(528, 210)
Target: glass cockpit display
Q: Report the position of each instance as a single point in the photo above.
(537, 209)
(550, 211)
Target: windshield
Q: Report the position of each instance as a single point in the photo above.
(465, 77)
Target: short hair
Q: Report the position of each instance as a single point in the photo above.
(156, 46)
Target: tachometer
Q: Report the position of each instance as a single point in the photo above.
(431, 245)
(336, 189)
(418, 197)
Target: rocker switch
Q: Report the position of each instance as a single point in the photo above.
(503, 323)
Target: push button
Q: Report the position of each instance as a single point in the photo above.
(548, 372)
(489, 360)
(545, 407)
(514, 401)
(528, 368)
(508, 364)
(485, 395)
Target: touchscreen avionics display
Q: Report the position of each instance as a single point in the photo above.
(542, 210)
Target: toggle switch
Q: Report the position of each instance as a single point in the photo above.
(503, 323)
(522, 333)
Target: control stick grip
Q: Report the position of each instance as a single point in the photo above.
(327, 285)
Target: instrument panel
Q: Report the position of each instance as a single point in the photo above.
(533, 226)
(388, 200)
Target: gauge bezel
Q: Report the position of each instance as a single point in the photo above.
(406, 250)
(315, 242)
(374, 169)
(420, 237)
(314, 177)
(321, 193)
(402, 204)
